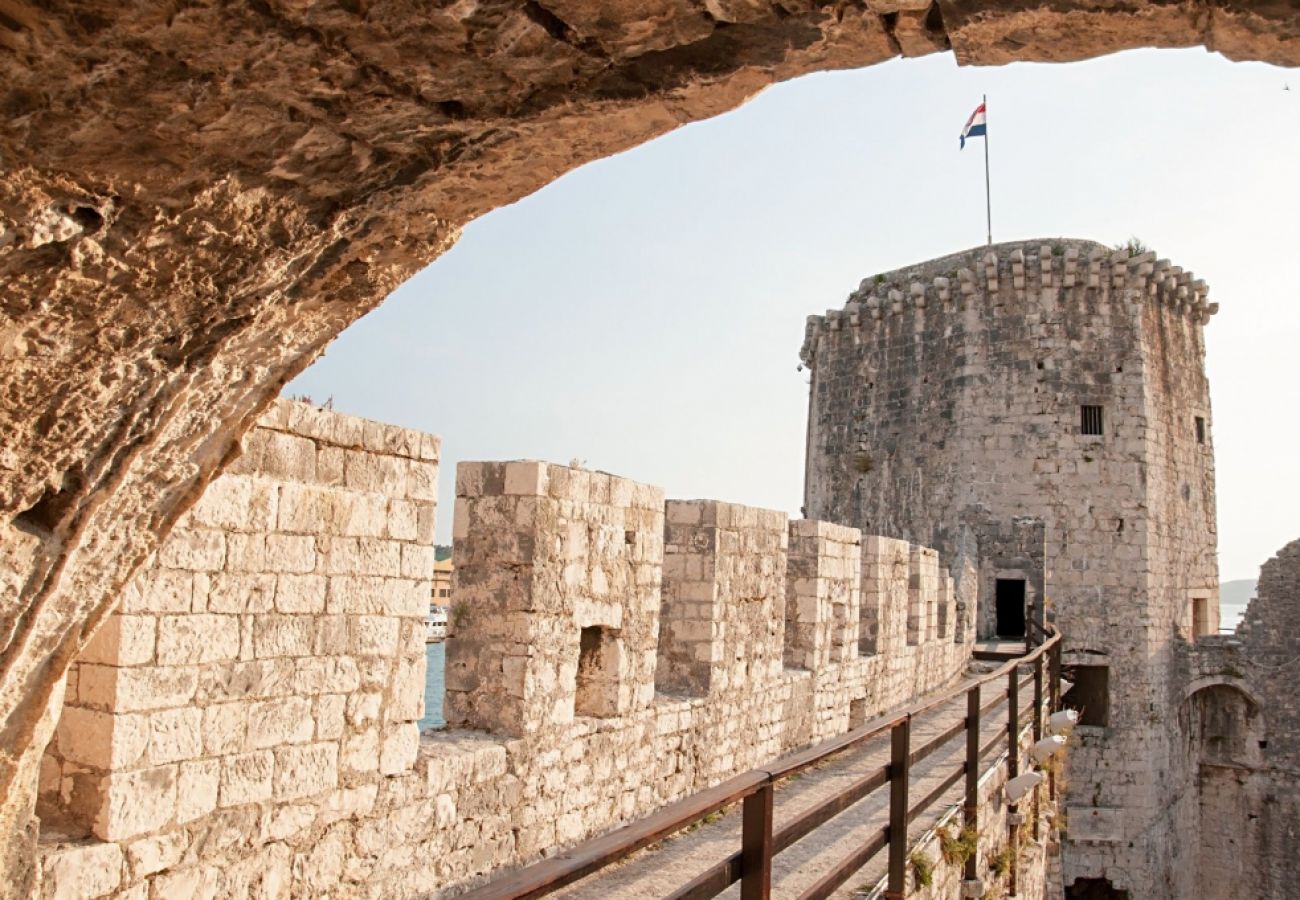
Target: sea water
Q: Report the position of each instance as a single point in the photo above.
(436, 654)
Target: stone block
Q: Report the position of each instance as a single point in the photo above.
(526, 477)
(136, 689)
(306, 771)
(329, 714)
(289, 457)
(81, 871)
(122, 640)
(197, 638)
(245, 553)
(300, 594)
(325, 675)
(275, 635)
(231, 592)
(136, 803)
(374, 635)
(225, 728)
(361, 751)
(174, 735)
(160, 591)
(417, 561)
(272, 723)
(100, 739)
(246, 778)
(154, 854)
(422, 480)
(193, 550)
(198, 788)
(399, 749)
(293, 553)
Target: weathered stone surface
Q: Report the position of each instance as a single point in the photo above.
(948, 409)
(239, 787)
(250, 179)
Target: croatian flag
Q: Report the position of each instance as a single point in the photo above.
(975, 126)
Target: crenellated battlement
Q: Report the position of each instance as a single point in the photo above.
(609, 653)
(1040, 275)
(560, 572)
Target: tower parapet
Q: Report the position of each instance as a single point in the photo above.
(953, 283)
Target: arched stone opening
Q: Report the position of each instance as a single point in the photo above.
(1224, 728)
(248, 182)
(1223, 724)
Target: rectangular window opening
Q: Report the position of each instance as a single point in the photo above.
(1200, 429)
(857, 713)
(599, 652)
(1091, 420)
(1200, 617)
(1090, 694)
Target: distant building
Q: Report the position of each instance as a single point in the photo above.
(441, 583)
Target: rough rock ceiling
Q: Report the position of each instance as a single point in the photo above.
(196, 196)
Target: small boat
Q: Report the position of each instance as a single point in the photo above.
(435, 625)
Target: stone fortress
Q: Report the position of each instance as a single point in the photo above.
(1041, 410)
(252, 178)
(1027, 426)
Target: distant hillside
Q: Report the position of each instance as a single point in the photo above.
(1237, 593)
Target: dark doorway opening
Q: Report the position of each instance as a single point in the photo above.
(1011, 607)
(1094, 889)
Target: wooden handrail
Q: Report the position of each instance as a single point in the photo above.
(752, 863)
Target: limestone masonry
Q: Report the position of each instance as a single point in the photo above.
(1040, 409)
(244, 723)
(251, 178)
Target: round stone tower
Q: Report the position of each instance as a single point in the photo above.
(1041, 409)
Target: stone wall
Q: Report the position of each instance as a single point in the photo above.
(266, 745)
(947, 409)
(271, 653)
(1241, 716)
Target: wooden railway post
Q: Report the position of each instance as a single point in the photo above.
(972, 809)
(900, 749)
(756, 845)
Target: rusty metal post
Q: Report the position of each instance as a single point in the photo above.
(972, 809)
(900, 749)
(756, 845)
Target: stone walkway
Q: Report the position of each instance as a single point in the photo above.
(661, 869)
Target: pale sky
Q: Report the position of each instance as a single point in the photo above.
(644, 313)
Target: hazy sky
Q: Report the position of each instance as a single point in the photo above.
(644, 313)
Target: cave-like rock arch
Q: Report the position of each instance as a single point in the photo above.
(195, 198)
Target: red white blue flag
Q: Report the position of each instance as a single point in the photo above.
(975, 126)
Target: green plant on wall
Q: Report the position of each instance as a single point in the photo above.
(1133, 247)
(958, 848)
(1001, 863)
(922, 868)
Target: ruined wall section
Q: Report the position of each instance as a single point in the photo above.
(947, 403)
(1240, 713)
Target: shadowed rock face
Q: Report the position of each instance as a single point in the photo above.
(196, 197)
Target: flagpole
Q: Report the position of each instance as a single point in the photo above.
(988, 201)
